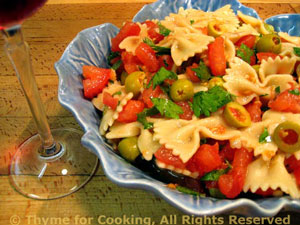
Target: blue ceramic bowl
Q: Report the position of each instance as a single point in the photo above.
(90, 47)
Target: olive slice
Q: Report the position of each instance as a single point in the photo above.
(269, 43)
(286, 136)
(269, 28)
(182, 90)
(213, 29)
(128, 148)
(216, 81)
(134, 82)
(236, 115)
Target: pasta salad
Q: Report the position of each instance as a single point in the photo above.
(208, 102)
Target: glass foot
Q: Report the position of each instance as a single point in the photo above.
(61, 174)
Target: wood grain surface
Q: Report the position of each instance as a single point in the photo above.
(48, 33)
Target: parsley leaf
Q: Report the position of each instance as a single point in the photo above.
(117, 65)
(117, 93)
(160, 76)
(112, 55)
(215, 174)
(141, 117)
(167, 108)
(158, 49)
(263, 136)
(202, 71)
(295, 92)
(206, 102)
(263, 95)
(216, 193)
(189, 191)
(192, 21)
(163, 30)
(277, 89)
(297, 51)
(245, 53)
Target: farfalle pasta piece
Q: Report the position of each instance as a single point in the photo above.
(185, 45)
(291, 39)
(110, 116)
(241, 31)
(123, 130)
(272, 174)
(132, 42)
(147, 145)
(276, 66)
(229, 50)
(111, 89)
(287, 49)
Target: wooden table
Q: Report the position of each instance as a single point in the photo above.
(48, 33)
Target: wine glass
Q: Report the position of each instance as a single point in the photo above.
(52, 163)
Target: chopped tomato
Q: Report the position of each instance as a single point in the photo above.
(206, 159)
(153, 31)
(131, 62)
(216, 57)
(231, 184)
(297, 175)
(192, 74)
(165, 61)
(150, 93)
(266, 193)
(147, 56)
(187, 111)
(129, 29)
(254, 110)
(286, 102)
(265, 55)
(166, 156)
(92, 72)
(248, 40)
(130, 111)
(204, 30)
(110, 101)
(227, 152)
(292, 163)
(96, 80)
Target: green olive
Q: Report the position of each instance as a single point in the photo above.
(286, 136)
(182, 90)
(236, 115)
(269, 43)
(124, 75)
(216, 81)
(134, 82)
(256, 68)
(269, 28)
(213, 29)
(128, 148)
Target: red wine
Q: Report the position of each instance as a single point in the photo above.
(13, 12)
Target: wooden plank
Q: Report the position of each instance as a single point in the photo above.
(296, 7)
(13, 102)
(149, 1)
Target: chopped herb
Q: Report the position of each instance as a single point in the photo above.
(167, 108)
(277, 89)
(215, 174)
(140, 68)
(263, 95)
(190, 104)
(202, 71)
(263, 136)
(160, 76)
(264, 108)
(158, 49)
(141, 117)
(117, 93)
(163, 30)
(111, 81)
(165, 89)
(245, 53)
(207, 102)
(165, 63)
(295, 92)
(117, 65)
(189, 191)
(297, 51)
(216, 193)
(192, 21)
(203, 141)
(112, 55)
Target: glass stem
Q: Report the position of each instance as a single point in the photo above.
(18, 52)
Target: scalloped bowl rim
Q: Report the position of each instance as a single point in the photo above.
(150, 184)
